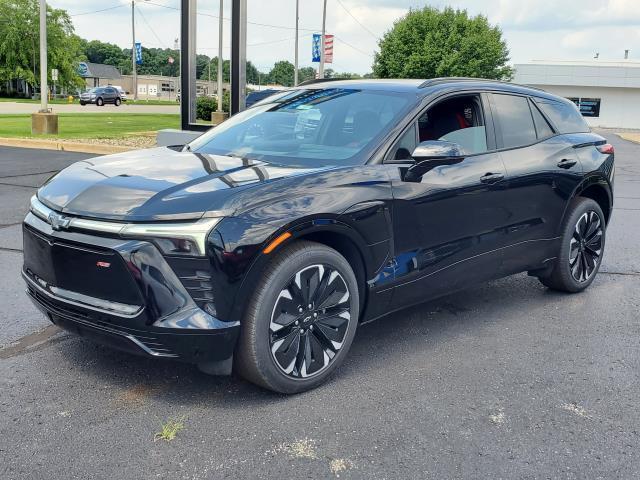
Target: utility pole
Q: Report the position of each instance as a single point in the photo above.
(133, 50)
(220, 64)
(295, 72)
(44, 89)
(324, 25)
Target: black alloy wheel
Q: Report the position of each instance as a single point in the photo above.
(585, 246)
(309, 321)
(300, 320)
(581, 247)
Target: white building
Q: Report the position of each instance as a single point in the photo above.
(608, 93)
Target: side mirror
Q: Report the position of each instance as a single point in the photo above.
(431, 154)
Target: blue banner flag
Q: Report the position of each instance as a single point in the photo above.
(138, 53)
(315, 47)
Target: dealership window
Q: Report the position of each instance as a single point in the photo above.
(168, 87)
(589, 107)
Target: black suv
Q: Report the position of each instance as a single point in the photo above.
(101, 96)
(263, 244)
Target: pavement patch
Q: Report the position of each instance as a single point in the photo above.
(29, 343)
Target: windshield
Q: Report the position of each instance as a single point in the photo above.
(333, 126)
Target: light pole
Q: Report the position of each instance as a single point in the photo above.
(324, 24)
(220, 24)
(133, 50)
(295, 72)
(44, 88)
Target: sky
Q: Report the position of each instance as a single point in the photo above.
(533, 29)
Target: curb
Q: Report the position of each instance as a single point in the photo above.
(629, 137)
(63, 146)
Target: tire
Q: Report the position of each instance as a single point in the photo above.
(100, 102)
(117, 102)
(82, 103)
(582, 248)
(271, 343)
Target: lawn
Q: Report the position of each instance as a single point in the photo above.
(91, 125)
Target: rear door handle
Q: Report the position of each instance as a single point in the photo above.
(491, 177)
(566, 163)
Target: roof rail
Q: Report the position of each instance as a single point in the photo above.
(320, 80)
(436, 81)
(440, 80)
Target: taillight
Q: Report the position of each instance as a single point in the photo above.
(607, 149)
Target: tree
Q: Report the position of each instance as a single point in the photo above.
(306, 73)
(282, 73)
(432, 43)
(20, 43)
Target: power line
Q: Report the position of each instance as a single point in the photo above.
(98, 11)
(357, 21)
(352, 46)
(151, 28)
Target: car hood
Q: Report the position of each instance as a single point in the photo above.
(158, 184)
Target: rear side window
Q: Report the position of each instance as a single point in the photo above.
(543, 129)
(516, 123)
(565, 116)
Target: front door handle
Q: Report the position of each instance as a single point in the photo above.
(491, 177)
(566, 163)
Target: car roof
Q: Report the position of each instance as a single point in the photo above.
(424, 87)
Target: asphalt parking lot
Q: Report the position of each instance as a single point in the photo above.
(506, 380)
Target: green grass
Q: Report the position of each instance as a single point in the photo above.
(90, 125)
(169, 430)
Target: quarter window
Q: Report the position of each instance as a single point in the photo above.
(565, 116)
(543, 129)
(516, 122)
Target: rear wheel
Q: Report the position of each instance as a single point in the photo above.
(301, 319)
(580, 255)
(100, 102)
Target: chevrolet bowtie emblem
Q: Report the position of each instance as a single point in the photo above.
(59, 222)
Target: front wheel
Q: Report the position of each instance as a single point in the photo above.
(117, 102)
(580, 256)
(100, 102)
(300, 321)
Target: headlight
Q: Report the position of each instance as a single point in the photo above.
(173, 238)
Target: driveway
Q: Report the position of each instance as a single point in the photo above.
(505, 380)
(18, 107)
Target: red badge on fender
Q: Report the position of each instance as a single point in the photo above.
(103, 264)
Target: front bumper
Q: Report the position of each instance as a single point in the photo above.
(138, 304)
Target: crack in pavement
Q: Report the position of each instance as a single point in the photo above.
(631, 274)
(18, 185)
(28, 174)
(13, 250)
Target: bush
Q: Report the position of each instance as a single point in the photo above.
(206, 105)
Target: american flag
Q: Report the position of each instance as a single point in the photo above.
(328, 48)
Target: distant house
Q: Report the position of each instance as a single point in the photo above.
(97, 74)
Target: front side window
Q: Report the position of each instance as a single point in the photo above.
(332, 126)
(458, 120)
(516, 123)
